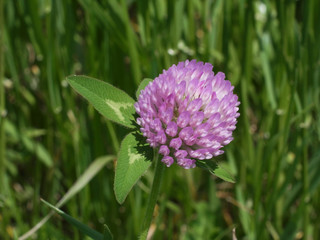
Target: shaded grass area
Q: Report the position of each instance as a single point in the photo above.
(270, 51)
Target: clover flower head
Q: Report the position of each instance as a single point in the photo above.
(188, 113)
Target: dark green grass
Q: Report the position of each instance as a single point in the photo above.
(270, 51)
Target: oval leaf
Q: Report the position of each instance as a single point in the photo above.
(215, 169)
(111, 102)
(133, 161)
(142, 86)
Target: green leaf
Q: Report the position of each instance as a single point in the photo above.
(82, 181)
(215, 169)
(79, 225)
(142, 86)
(134, 159)
(111, 102)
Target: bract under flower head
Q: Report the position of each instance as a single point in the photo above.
(188, 113)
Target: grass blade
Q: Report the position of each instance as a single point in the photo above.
(79, 225)
(82, 181)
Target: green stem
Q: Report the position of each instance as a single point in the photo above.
(113, 135)
(3, 184)
(158, 173)
(2, 102)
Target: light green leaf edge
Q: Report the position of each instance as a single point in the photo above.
(131, 165)
(215, 169)
(82, 181)
(142, 86)
(111, 102)
(107, 233)
(79, 225)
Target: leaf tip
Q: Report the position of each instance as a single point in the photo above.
(119, 197)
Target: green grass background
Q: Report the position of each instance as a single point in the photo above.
(269, 50)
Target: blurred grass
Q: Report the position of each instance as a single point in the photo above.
(270, 51)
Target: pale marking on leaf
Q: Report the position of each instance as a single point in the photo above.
(116, 107)
(133, 156)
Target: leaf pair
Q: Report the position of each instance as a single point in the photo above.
(114, 104)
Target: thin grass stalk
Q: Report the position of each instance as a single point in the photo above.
(132, 46)
(306, 195)
(307, 38)
(191, 24)
(53, 88)
(246, 75)
(244, 85)
(2, 100)
(3, 113)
